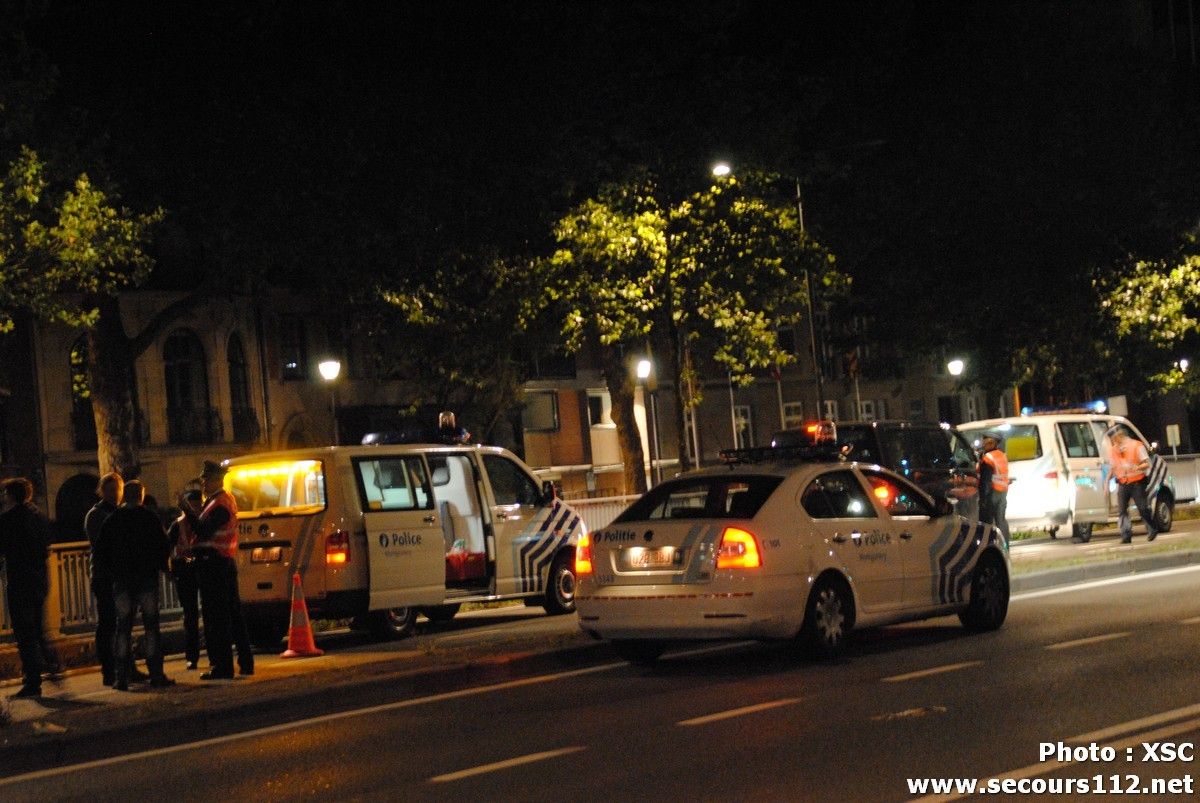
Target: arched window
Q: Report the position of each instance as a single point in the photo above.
(83, 422)
(245, 420)
(189, 418)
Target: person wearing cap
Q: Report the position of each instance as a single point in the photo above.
(214, 549)
(1130, 466)
(132, 550)
(182, 538)
(993, 484)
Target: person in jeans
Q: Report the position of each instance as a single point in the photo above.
(112, 486)
(25, 550)
(1130, 466)
(133, 550)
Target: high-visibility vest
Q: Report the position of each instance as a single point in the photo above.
(1126, 460)
(187, 538)
(998, 460)
(224, 540)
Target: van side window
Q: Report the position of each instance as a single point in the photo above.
(394, 483)
(837, 495)
(1079, 439)
(510, 485)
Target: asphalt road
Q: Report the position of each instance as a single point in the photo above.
(1111, 663)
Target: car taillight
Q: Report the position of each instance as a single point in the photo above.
(583, 555)
(337, 547)
(738, 550)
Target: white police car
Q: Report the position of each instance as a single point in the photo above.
(782, 543)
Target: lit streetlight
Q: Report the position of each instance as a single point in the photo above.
(955, 367)
(644, 370)
(330, 370)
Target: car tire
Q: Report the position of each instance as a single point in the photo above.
(391, 624)
(266, 633)
(1082, 531)
(989, 595)
(639, 652)
(560, 585)
(1053, 532)
(441, 613)
(828, 617)
(1164, 515)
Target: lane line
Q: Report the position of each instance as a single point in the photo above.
(1138, 724)
(924, 673)
(1126, 578)
(1083, 642)
(1195, 620)
(483, 769)
(303, 723)
(739, 712)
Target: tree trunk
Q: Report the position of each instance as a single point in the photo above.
(620, 389)
(110, 378)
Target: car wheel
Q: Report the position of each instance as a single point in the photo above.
(1082, 531)
(1053, 531)
(560, 585)
(391, 624)
(827, 618)
(989, 596)
(441, 613)
(639, 653)
(1164, 515)
(266, 633)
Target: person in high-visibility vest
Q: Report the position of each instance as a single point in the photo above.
(993, 484)
(1130, 466)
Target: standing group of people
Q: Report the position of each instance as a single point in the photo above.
(129, 548)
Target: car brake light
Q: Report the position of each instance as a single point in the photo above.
(738, 550)
(583, 555)
(337, 547)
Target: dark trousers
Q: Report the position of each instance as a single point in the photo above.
(26, 608)
(1135, 491)
(237, 623)
(993, 509)
(130, 594)
(184, 575)
(212, 576)
(106, 624)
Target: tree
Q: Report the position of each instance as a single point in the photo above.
(711, 277)
(65, 253)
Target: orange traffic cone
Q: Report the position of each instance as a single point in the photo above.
(300, 635)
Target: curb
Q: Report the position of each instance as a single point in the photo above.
(1099, 570)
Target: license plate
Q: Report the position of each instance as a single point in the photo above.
(266, 554)
(645, 558)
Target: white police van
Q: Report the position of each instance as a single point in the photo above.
(1060, 473)
(381, 532)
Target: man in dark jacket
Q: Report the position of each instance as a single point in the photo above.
(132, 549)
(25, 548)
(112, 485)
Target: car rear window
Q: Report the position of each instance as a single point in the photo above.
(292, 487)
(717, 497)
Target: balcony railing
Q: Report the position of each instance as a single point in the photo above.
(193, 425)
(245, 425)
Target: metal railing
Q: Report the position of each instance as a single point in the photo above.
(597, 513)
(70, 606)
(193, 425)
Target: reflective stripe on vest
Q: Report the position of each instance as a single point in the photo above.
(224, 540)
(1126, 461)
(998, 460)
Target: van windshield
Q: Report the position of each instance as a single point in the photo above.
(277, 487)
(1021, 441)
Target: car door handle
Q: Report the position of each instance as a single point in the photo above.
(906, 536)
(429, 519)
(838, 538)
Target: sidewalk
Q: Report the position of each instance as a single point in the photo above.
(79, 713)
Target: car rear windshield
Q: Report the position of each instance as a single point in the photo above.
(1021, 441)
(715, 497)
(277, 487)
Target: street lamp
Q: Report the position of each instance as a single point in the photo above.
(330, 370)
(955, 367)
(644, 370)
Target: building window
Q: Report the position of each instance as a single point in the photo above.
(293, 356)
(83, 421)
(245, 420)
(540, 413)
(189, 418)
(831, 410)
(744, 426)
(793, 415)
(866, 410)
(916, 409)
(599, 409)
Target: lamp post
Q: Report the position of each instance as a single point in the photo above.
(644, 370)
(955, 367)
(330, 370)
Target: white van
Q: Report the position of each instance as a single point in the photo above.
(1059, 471)
(379, 533)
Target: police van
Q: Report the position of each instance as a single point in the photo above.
(1060, 474)
(380, 533)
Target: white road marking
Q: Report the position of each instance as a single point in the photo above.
(1127, 578)
(503, 765)
(1195, 620)
(1083, 642)
(303, 723)
(739, 712)
(1045, 768)
(924, 673)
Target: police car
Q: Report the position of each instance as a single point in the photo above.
(781, 543)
